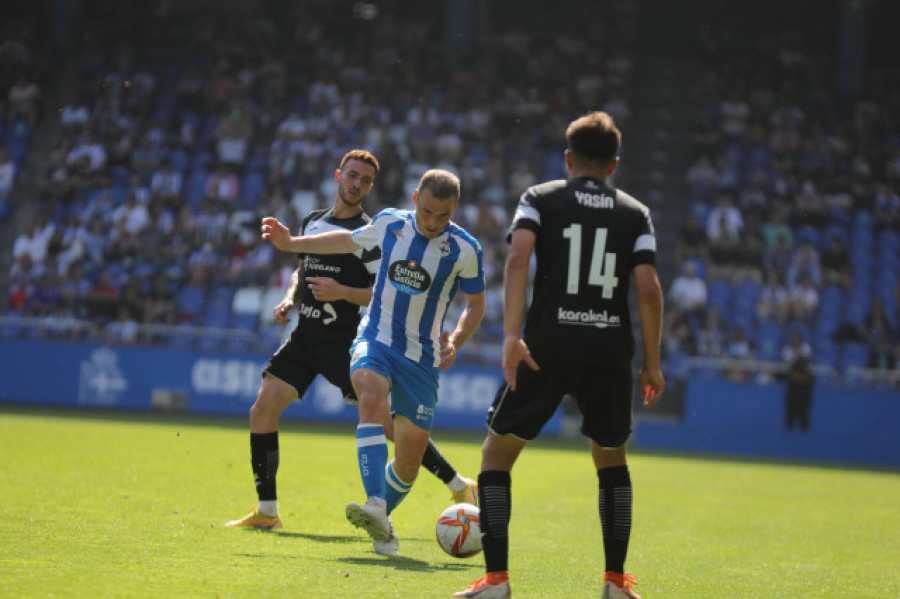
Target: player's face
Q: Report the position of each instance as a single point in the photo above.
(355, 181)
(432, 214)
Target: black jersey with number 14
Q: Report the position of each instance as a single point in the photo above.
(590, 236)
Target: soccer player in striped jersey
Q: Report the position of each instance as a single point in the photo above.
(401, 346)
(589, 240)
(330, 291)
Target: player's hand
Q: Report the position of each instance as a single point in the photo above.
(325, 289)
(448, 352)
(652, 384)
(282, 311)
(515, 351)
(274, 231)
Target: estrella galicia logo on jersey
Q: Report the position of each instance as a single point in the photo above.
(409, 277)
(601, 320)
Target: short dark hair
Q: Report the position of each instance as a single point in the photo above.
(442, 184)
(594, 137)
(363, 156)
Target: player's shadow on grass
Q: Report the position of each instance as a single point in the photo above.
(319, 538)
(399, 562)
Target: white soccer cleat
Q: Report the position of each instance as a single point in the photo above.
(389, 547)
(372, 517)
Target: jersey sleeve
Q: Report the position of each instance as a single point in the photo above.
(645, 243)
(471, 273)
(372, 235)
(527, 214)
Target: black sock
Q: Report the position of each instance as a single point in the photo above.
(264, 458)
(435, 462)
(615, 515)
(495, 500)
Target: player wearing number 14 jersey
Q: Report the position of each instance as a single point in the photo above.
(589, 240)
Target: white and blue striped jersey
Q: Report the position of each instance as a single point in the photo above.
(416, 280)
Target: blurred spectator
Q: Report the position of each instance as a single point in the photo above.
(774, 301)
(740, 347)
(692, 240)
(777, 227)
(835, 263)
(233, 136)
(797, 357)
(886, 206)
(882, 356)
(804, 299)
(103, 299)
(223, 185)
(712, 334)
(688, 293)
(805, 261)
(778, 259)
(7, 174)
(23, 101)
(165, 185)
(749, 257)
(123, 330)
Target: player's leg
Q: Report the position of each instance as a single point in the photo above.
(410, 442)
(607, 423)
(273, 396)
(512, 421)
(369, 373)
(413, 401)
(464, 490)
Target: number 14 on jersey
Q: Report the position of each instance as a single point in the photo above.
(602, 271)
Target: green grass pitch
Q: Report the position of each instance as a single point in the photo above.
(133, 505)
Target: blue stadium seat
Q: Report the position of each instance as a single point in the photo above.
(854, 355)
(719, 294)
(769, 340)
(189, 302)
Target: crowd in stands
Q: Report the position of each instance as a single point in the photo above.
(175, 139)
(795, 222)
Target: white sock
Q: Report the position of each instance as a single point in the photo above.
(269, 508)
(457, 484)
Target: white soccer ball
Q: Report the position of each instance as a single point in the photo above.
(458, 530)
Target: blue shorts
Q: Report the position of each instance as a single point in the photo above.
(414, 386)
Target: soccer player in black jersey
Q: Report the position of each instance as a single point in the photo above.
(331, 290)
(590, 240)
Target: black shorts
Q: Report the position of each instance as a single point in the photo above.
(298, 361)
(604, 397)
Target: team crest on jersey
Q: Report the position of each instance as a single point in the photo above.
(445, 248)
(408, 277)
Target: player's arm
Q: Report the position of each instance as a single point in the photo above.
(326, 289)
(515, 281)
(284, 308)
(468, 322)
(650, 308)
(332, 242)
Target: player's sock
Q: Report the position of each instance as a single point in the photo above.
(495, 500)
(372, 451)
(615, 515)
(264, 458)
(435, 462)
(395, 490)
(457, 483)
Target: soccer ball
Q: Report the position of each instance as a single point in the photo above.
(458, 530)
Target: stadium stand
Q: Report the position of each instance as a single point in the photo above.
(253, 112)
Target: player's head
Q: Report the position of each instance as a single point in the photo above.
(355, 176)
(593, 143)
(436, 198)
